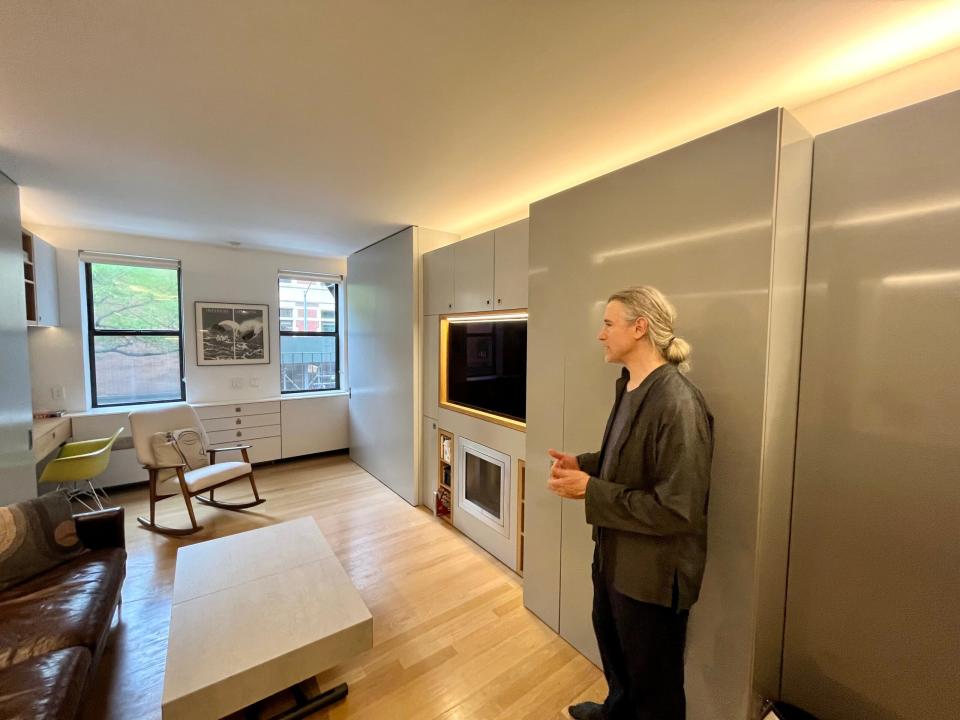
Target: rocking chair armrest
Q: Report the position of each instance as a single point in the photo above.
(164, 467)
(225, 449)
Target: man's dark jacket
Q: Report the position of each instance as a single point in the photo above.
(650, 513)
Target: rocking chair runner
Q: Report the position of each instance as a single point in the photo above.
(144, 424)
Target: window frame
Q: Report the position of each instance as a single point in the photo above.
(309, 333)
(93, 333)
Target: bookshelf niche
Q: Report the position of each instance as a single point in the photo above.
(445, 476)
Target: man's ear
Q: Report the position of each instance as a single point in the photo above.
(640, 329)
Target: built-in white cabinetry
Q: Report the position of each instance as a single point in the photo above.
(314, 424)
(256, 424)
(510, 265)
(473, 273)
(428, 462)
(486, 272)
(438, 281)
(431, 365)
(40, 281)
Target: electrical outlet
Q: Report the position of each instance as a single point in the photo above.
(254, 382)
(58, 392)
(236, 383)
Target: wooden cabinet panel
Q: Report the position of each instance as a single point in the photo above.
(438, 280)
(473, 273)
(511, 266)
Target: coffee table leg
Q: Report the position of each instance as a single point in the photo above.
(307, 706)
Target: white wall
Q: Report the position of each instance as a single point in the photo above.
(209, 273)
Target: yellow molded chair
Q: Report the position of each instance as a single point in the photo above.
(79, 463)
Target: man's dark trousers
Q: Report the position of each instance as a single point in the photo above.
(641, 646)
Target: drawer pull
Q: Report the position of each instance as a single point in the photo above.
(239, 433)
(236, 409)
(239, 421)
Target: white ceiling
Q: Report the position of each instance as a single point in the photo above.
(321, 127)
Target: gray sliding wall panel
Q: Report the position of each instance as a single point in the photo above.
(698, 222)
(383, 320)
(873, 609)
(18, 479)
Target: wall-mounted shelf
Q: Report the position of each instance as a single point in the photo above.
(29, 291)
(40, 281)
(445, 475)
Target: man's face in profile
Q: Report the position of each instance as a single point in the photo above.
(618, 336)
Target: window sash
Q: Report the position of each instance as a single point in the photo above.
(336, 281)
(93, 332)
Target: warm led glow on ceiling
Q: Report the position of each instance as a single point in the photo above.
(931, 31)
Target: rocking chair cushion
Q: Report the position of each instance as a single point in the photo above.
(205, 477)
(177, 447)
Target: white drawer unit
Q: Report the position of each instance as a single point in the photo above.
(241, 422)
(256, 424)
(208, 412)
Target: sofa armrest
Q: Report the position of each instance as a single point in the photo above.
(101, 528)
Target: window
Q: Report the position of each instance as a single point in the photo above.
(309, 332)
(134, 329)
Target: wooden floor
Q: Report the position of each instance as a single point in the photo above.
(452, 639)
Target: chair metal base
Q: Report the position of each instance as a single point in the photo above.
(78, 492)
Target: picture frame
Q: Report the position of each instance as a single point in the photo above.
(232, 333)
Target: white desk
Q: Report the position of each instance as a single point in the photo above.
(255, 613)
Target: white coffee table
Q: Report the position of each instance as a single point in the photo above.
(255, 613)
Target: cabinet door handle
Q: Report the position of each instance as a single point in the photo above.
(488, 302)
(499, 301)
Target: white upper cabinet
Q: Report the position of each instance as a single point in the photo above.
(473, 273)
(46, 288)
(510, 265)
(431, 366)
(438, 281)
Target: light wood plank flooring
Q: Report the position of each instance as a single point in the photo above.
(452, 639)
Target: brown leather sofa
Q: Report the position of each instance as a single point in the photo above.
(54, 626)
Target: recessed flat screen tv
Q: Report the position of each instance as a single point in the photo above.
(487, 367)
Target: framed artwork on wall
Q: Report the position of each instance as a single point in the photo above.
(232, 333)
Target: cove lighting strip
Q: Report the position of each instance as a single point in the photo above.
(506, 317)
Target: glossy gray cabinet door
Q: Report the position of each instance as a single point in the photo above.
(383, 307)
(698, 222)
(17, 473)
(873, 610)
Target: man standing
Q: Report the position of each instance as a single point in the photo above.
(646, 496)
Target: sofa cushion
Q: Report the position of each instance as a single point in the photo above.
(46, 688)
(72, 604)
(35, 536)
